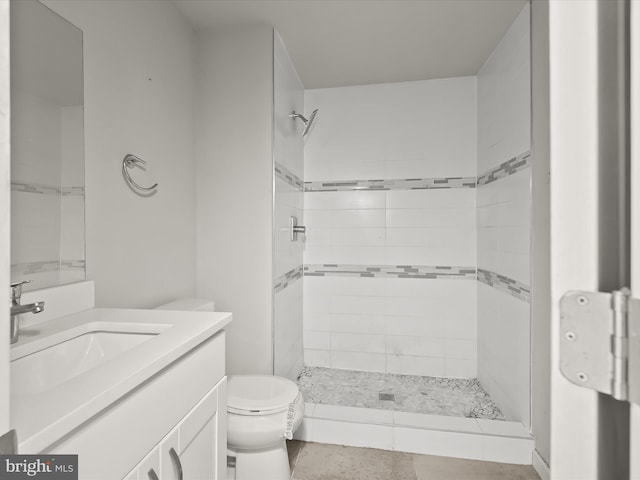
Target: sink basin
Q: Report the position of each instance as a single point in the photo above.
(52, 366)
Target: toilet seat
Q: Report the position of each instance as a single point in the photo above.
(259, 394)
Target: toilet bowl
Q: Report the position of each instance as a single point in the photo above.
(262, 412)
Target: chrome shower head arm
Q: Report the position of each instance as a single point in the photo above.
(300, 116)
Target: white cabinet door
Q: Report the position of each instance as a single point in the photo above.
(149, 467)
(198, 457)
(170, 464)
(202, 432)
(196, 448)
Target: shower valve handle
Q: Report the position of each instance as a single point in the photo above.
(295, 229)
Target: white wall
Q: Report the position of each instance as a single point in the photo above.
(540, 232)
(504, 99)
(234, 184)
(408, 130)
(5, 254)
(396, 130)
(288, 154)
(36, 145)
(504, 222)
(139, 71)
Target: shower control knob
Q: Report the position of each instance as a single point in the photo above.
(295, 229)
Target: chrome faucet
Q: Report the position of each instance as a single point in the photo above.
(17, 309)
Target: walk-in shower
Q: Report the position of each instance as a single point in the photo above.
(416, 263)
(412, 282)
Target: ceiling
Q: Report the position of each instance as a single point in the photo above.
(337, 43)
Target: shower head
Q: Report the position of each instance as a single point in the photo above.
(307, 123)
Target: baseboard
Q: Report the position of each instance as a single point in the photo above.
(540, 466)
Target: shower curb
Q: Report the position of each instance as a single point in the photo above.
(475, 439)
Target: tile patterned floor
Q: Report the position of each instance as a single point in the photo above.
(404, 393)
(316, 461)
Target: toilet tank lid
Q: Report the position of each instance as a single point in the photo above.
(259, 393)
(189, 304)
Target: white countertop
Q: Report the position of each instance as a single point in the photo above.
(43, 418)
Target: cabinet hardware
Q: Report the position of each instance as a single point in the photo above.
(176, 461)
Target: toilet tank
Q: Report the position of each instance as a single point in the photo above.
(189, 304)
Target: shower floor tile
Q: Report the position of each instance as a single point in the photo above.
(404, 393)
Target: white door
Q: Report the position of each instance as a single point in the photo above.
(4, 215)
(590, 218)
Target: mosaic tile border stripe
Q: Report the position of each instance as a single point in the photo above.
(31, 268)
(393, 184)
(505, 284)
(390, 271)
(70, 264)
(286, 175)
(514, 165)
(283, 281)
(35, 188)
(72, 191)
(45, 189)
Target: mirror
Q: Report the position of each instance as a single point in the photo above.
(47, 147)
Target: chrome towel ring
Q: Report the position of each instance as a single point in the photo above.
(130, 161)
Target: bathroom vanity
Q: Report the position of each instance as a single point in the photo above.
(136, 394)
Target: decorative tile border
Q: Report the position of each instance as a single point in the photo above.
(505, 284)
(46, 189)
(392, 184)
(390, 271)
(497, 281)
(286, 175)
(32, 268)
(515, 165)
(34, 188)
(72, 264)
(72, 191)
(287, 279)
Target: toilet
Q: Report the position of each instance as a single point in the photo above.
(263, 411)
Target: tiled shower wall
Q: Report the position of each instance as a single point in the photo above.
(390, 210)
(288, 174)
(504, 202)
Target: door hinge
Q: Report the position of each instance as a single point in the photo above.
(600, 342)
